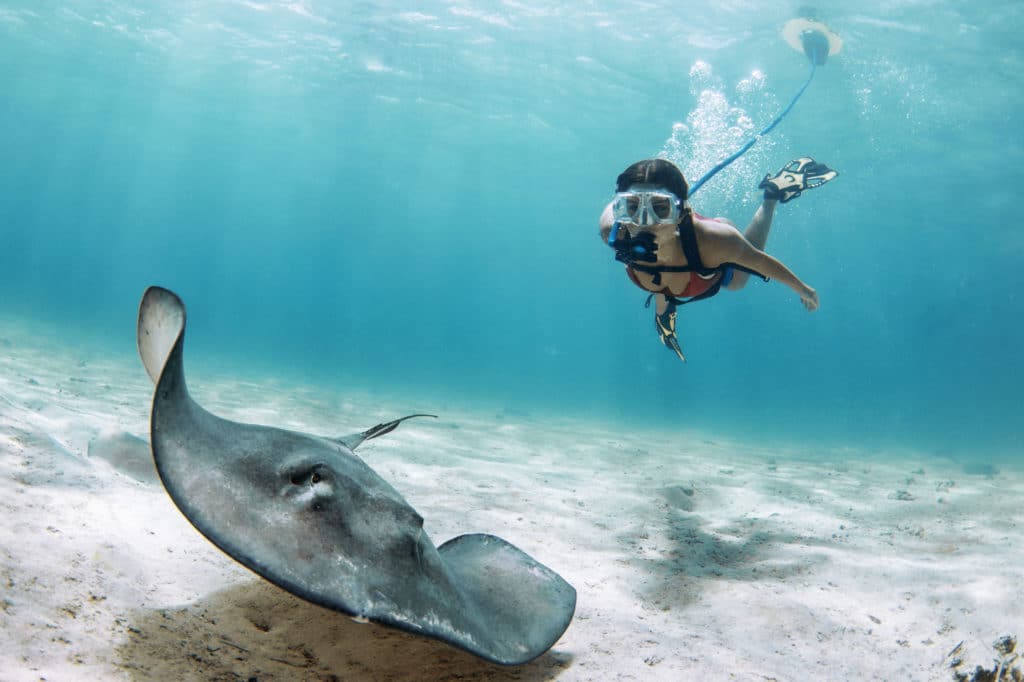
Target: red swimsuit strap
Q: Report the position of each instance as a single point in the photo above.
(695, 287)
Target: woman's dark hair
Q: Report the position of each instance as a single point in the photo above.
(654, 172)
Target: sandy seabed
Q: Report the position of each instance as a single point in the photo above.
(693, 558)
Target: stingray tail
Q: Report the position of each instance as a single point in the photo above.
(356, 439)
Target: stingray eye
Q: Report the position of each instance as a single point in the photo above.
(306, 475)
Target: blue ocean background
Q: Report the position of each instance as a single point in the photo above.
(381, 196)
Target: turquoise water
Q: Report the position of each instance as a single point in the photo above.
(367, 194)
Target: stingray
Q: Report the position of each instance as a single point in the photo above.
(309, 515)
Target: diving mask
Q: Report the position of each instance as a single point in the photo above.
(647, 207)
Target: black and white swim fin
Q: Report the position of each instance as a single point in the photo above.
(794, 178)
(665, 323)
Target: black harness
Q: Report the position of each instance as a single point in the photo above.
(640, 251)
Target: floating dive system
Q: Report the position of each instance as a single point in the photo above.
(818, 43)
(813, 38)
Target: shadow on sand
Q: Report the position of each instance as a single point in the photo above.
(260, 632)
(681, 553)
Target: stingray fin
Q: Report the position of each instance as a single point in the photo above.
(525, 606)
(356, 439)
(161, 322)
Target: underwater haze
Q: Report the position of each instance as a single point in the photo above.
(405, 196)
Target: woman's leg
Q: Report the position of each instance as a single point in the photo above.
(757, 234)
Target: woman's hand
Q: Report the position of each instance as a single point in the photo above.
(809, 298)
